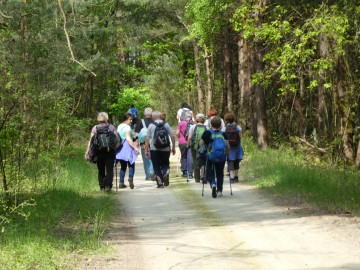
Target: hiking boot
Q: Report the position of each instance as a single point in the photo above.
(214, 194)
(131, 182)
(184, 175)
(152, 177)
(102, 188)
(236, 179)
(122, 186)
(190, 175)
(166, 180)
(160, 186)
(107, 189)
(219, 194)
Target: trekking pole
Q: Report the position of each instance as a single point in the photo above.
(231, 193)
(187, 165)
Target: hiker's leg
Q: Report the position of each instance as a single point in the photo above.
(165, 162)
(219, 170)
(195, 166)
(146, 162)
(183, 152)
(210, 176)
(231, 169)
(123, 171)
(190, 162)
(109, 164)
(101, 170)
(156, 159)
(131, 169)
(236, 170)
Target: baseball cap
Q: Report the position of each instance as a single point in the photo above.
(200, 116)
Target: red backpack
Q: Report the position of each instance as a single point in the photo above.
(232, 135)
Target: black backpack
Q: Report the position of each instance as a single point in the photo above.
(189, 123)
(161, 136)
(105, 139)
(232, 135)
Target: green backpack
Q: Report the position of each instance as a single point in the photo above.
(198, 132)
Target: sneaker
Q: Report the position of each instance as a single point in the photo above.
(219, 194)
(152, 177)
(160, 186)
(131, 183)
(190, 176)
(122, 186)
(236, 179)
(107, 189)
(166, 180)
(214, 194)
(184, 175)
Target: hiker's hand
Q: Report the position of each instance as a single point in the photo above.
(87, 155)
(147, 154)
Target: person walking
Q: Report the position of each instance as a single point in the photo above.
(195, 134)
(134, 112)
(105, 155)
(236, 153)
(180, 116)
(129, 151)
(211, 114)
(157, 146)
(217, 148)
(141, 130)
(182, 133)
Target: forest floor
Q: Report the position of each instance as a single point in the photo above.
(177, 228)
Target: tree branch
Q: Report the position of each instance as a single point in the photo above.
(68, 39)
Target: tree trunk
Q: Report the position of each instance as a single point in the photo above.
(346, 131)
(200, 94)
(358, 155)
(259, 104)
(228, 83)
(322, 114)
(244, 81)
(209, 79)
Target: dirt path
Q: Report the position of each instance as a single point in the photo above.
(177, 228)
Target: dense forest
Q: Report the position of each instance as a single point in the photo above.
(289, 70)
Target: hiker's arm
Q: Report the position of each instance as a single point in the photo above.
(117, 144)
(147, 146)
(173, 143)
(130, 141)
(201, 142)
(88, 147)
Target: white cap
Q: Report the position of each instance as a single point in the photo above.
(200, 116)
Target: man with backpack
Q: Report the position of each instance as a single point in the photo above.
(183, 132)
(158, 147)
(104, 140)
(195, 133)
(217, 149)
(142, 129)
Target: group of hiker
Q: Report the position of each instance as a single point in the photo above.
(205, 144)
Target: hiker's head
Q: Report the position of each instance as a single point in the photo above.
(156, 115)
(216, 122)
(200, 118)
(147, 112)
(132, 106)
(102, 117)
(127, 118)
(230, 118)
(212, 112)
(185, 105)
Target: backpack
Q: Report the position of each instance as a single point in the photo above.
(232, 135)
(105, 139)
(217, 149)
(143, 132)
(161, 136)
(188, 125)
(184, 111)
(134, 112)
(198, 132)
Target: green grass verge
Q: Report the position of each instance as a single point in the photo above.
(283, 171)
(67, 220)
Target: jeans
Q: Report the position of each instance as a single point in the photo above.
(161, 163)
(105, 165)
(186, 159)
(148, 167)
(215, 170)
(124, 164)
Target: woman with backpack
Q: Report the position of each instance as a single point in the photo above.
(105, 139)
(236, 153)
(182, 132)
(217, 149)
(129, 150)
(195, 133)
(211, 114)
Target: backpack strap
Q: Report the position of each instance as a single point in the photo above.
(143, 123)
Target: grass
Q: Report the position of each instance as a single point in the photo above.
(67, 221)
(285, 172)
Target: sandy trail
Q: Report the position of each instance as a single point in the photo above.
(177, 228)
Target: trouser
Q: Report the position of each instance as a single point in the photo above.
(105, 165)
(186, 159)
(124, 164)
(215, 170)
(197, 173)
(148, 167)
(161, 164)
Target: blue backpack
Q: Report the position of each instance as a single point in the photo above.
(134, 112)
(217, 149)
